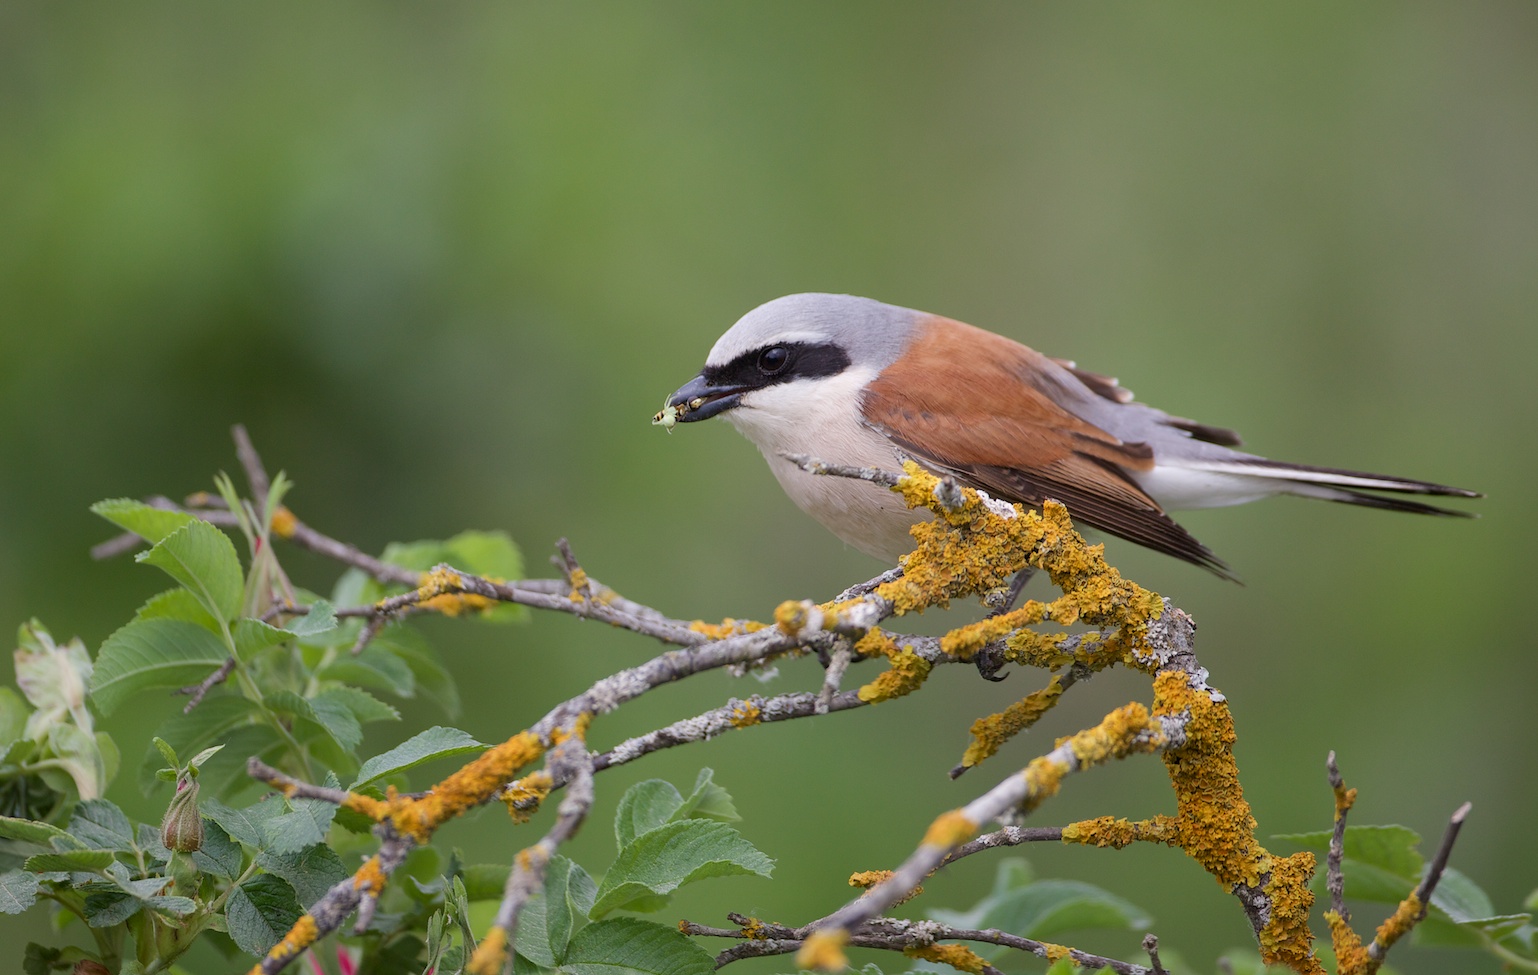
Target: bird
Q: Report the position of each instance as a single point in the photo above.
(855, 381)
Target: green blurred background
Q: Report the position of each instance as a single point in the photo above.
(445, 262)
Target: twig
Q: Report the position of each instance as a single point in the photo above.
(202, 687)
(892, 934)
(290, 786)
(1005, 836)
(1151, 945)
(256, 474)
(1335, 880)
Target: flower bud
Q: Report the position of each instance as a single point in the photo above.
(181, 830)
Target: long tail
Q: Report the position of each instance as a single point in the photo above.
(1345, 487)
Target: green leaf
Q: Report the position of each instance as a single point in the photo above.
(708, 801)
(225, 773)
(106, 908)
(485, 881)
(74, 860)
(202, 558)
(427, 672)
(1460, 898)
(302, 825)
(1041, 908)
(186, 733)
(13, 716)
(243, 825)
(490, 554)
(101, 825)
(373, 667)
(631, 946)
(76, 754)
(32, 831)
(364, 707)
(260, 912)
(1391, 848)
(252, 636)
(666, 858)
(311, 872)
(150, 524)
(1437, 932)
(177, 604)
(435, 742)
(152, 653)
(320, 619)
(551, 917)
(18, 891)
(644, 807)
(219, 855)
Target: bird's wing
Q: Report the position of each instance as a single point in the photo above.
(981, 407)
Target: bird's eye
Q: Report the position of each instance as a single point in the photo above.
(772, 361)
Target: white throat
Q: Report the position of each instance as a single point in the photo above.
(821, 418)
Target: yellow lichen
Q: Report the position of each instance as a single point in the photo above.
(745, 714)
(990, 733)
(490, 955)
(367, 805)
(753, 930)
(907, 673)
(792, 616)
(472, 784)
(727, 627)
(950, 829)
(284, 524)
(1344, 799)
(579, 585)
(1109, 831)
(1053, 953)
(866, 879)
(370, 877)
(823, 951)
(1399, 923)
(1286, 939)
(299, 937)
(959, 957)
(523, 797)
(1351, 957)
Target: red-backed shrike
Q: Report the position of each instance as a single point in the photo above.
(853, 381)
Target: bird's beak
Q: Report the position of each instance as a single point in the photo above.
(698, 400)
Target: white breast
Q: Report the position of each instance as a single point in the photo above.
(820, 417)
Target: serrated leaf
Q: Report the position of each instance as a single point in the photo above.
(303, 825)
(485, 881)
(666, 858)
(1041, 908)
(708, 801)
(373, 667)
(178, 604)
(101, 825)
(152, 653)
(320, 619)
(30, 831)
(219, 855)
(252, 636)
(81, 860)
(1391, 848)
(1500, 926)
(337, 720)
(172, 904)
(243, 825)
(644, 807)
(260, 912)
(202, 558)
(186, 733)
(18, 891)
(435, 742)
(1462, 900)
(557, 912)
(149, 523)
(631, 946)
(421, 661)
(311, 872)
(364, 707)
(106, 908)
